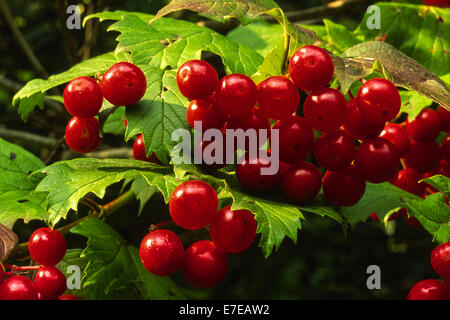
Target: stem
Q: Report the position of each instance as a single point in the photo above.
(118, 203)
(21, 40)
(287, 41)
(350, 94)
(31, 138)
(402, 162)
(160, 225)
(24, 268)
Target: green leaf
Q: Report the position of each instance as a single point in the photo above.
(114, 124)
(18, 199)
(68, 181)
(260, 35)
(159, 113)
(413, 103)
(421, 32)
(27, 105)
(112, 265)
(433, 213)
(339, 37)
(360, 60)
(440, 182)
(143, 191)
(272, 65)
(86, 68)
(382, 198)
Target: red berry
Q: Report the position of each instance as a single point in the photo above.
(207, 112)
(408, 180)
(343, 188)
(444, 115)
(82, 134)
(47, 246)
(123, 84)
(68, 297)
(83, 97)
(277, 97)
(296, 139)
(445, 147)
(162, 252)
(250, 176)
(257, 120)
(357, 126)
(437, 3)
(440, 259)
(334, 150)
(325, 109)
(197, 79)
(429, 289)
(425, 127)
(139, 152)
(233, 231)
(193, 204)
(392, 217)
(374, 217)
(50, 282)
(444, 168)
(236, 94)
(311, 68)
(398, 136)
(302, 182)
(377, 160)
(18, 288)
(423, 157)
(379, 100)
(204, 265)
(2, 274)
(208, 151)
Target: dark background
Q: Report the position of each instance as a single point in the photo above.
(325, 264)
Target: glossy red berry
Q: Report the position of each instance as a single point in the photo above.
(445, 147)
(139, 152)
(123, 84)
(379, 100)
(213, 154)
(236, 94)
(425, 127)
(343, 188)
(249, 172)
(325, 109)
(197, 79)
(423, 157)
(233, 231)
(47, 246)
(357, 126)
(437, 3)
(277, 97)
(334, 150)
(302, 182)
(207, 112)
(68, 297)
(377, 160)
(311, 68)
(83, 97)
(193, 204)
(50, 282)
(256, 120)
(296, 139)
(82, 134)
(408, 180)
(440, 259)
(204, 264)
(2, 274)
(398, 136)
(444, 115)
(162, 252)
(429, 289)
(18, 288)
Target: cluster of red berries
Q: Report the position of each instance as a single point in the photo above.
(47, 247)
(236, 102)
(194, 205)
(437, 3)
(432, 289)
(123, 84)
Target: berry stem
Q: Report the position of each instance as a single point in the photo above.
(23, 268)
(287, 40)
(402, 162)
(160, 225)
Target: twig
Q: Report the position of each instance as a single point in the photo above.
(31, 138)
(118, 203)
(111, 153)
(21, 40)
